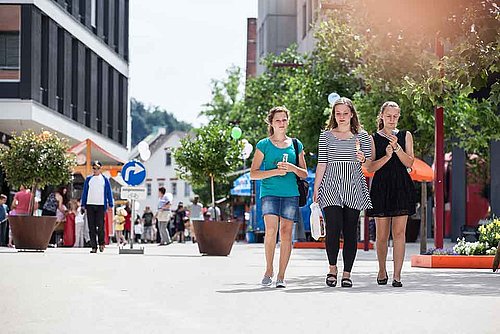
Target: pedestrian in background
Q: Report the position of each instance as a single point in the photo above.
(127, 227)
(138, 229)
(119, 220)
(340, 187)
(180, 218)
(97, 197)
(392, 191)
(276, 163)
(21, 202)
(196, 215)
(79, 226)
(163, 215)
(147, 219)
(4, 225)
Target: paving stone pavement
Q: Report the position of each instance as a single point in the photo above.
(172, 289)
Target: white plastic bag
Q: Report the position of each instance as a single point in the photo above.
(318, 228)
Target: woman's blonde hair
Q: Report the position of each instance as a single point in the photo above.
(270, 117)
(332, 122)
(387, 104)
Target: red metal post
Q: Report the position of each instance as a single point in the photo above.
(439, 161)
(439, 177)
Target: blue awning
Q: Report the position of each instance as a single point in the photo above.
(242, 186)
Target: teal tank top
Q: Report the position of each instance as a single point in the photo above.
(281, 186)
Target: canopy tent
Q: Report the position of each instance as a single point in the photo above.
(87, 151)
(242, 186)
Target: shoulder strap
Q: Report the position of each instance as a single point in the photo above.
(296, 148)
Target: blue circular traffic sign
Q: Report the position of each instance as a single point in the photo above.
(134, 173)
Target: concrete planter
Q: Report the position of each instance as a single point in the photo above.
(215, 238)
(453, 261)
(31, 232)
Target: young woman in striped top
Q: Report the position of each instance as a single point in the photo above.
(279, 191)
(340, 187)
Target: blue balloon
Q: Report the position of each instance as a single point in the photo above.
(333, 97)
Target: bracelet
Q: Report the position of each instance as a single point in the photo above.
(397, 149)
(363, 161)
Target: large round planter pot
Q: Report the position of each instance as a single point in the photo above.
(215, 238)
(32, 232)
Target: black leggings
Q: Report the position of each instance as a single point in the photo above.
(346, 220)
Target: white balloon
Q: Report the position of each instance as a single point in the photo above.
(81, 159)
(145, 155)
(247, 150)
(143, 146)
(333, 97)
(170, 197)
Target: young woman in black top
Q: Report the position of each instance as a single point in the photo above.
(392, 191)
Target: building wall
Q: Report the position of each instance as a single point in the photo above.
(308, 12)
(276, 27)
(73, 62)
(159, 174)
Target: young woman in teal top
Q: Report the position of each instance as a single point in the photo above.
(274, 163)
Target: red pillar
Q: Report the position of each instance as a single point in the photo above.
(439, 161)
(439, 177)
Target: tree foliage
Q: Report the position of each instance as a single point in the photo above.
(35, 160)
(145, 120)
(209, 156)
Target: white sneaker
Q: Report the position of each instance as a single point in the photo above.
(280, 284)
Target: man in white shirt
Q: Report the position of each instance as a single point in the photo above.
(97, 197)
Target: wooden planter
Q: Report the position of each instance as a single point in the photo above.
(30, 232)
(453, 261)
(215, 238)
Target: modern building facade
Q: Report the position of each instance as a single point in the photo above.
(160, 170)
(64, 67)
(282, 23)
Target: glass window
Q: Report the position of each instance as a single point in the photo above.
(10, 38)
(187, 189)
(174, 188)
(148, 189)
(168, 159)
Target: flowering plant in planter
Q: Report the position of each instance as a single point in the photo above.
(35, 160)
(489, 236)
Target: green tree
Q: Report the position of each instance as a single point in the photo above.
(145, 120)
(35, 160)
(208, 157)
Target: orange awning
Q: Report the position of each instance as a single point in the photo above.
(420, 172)
(88, 151)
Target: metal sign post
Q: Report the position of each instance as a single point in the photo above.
(134, 173)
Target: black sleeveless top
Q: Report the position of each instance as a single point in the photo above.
(392, 191)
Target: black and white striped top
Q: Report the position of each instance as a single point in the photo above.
(343, 183)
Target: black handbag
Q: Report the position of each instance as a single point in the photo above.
(303, 185)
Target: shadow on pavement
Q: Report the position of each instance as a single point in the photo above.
(466, 283)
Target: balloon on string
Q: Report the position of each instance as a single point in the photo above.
(236, 133)
(333, 97)
(247, 150)
(142, 146)
(170, 197)
(145, 155)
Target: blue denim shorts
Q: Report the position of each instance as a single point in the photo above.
(285, 207)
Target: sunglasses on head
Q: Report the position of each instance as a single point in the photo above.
(96, 168)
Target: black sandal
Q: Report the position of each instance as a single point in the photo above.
(331, 282)
(383, 281)
(346, 283)
(397, 284)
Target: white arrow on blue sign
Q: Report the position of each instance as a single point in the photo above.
(133, 173)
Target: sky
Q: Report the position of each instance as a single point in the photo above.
(178, 46)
